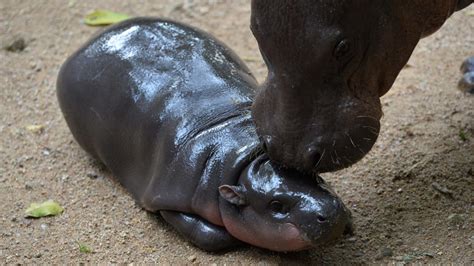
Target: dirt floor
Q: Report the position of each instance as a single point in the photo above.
(412, 197)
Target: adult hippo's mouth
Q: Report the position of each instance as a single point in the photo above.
(329, 62)
(332, 138)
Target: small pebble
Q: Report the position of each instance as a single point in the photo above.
(384, 253)
(16, 45)
(441, 189)
(387, 252)
(352, 239)
(192, 258)
(408, 258)
(466, 84)
(468, 65)
(456, 219)
(92, 175)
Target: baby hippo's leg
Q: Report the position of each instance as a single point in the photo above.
(200, 232)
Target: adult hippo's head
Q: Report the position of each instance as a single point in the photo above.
(281, 209)
(329, 63)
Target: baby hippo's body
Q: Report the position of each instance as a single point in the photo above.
(167, 109)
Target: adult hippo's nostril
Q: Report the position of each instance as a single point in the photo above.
(313, 157)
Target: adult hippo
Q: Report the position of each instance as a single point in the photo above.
(329, 62)
(167, 109)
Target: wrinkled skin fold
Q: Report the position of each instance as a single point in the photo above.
(167, 109)
(329, 62)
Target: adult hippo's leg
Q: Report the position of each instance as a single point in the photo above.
(200, 232)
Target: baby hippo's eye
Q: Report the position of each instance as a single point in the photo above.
(278, 207)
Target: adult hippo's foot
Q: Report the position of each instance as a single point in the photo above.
(466, 84)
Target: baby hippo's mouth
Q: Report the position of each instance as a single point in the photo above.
(299, 240)
(324, 240)
(295, 239)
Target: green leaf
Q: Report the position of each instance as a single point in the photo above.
(83, 248)
(47, 208)
(104, 17)
(462, 135)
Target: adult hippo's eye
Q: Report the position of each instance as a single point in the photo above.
(343, 48)
(278, 207)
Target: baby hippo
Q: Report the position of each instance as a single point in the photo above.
(167, 109)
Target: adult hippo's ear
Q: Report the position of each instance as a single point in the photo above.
(233, 194)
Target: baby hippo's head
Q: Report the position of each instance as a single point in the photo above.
(281, 210)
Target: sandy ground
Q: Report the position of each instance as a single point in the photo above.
(426, 145)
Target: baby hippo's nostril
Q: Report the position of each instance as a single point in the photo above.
(321, 218)
(266, 142)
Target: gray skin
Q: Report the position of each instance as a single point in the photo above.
(329, 62)
(167, 109)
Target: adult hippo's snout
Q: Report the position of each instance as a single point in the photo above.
(332, 137)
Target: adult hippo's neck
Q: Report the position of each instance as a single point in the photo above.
(329, 62)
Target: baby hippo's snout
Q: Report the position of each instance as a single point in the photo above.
(323, 220)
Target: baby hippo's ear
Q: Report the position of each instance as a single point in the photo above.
(233, 194)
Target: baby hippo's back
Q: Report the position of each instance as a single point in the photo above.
(139, 92)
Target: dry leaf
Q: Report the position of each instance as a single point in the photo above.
(35, 128)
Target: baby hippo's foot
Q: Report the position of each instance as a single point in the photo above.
(466, 84)
(200, 232)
